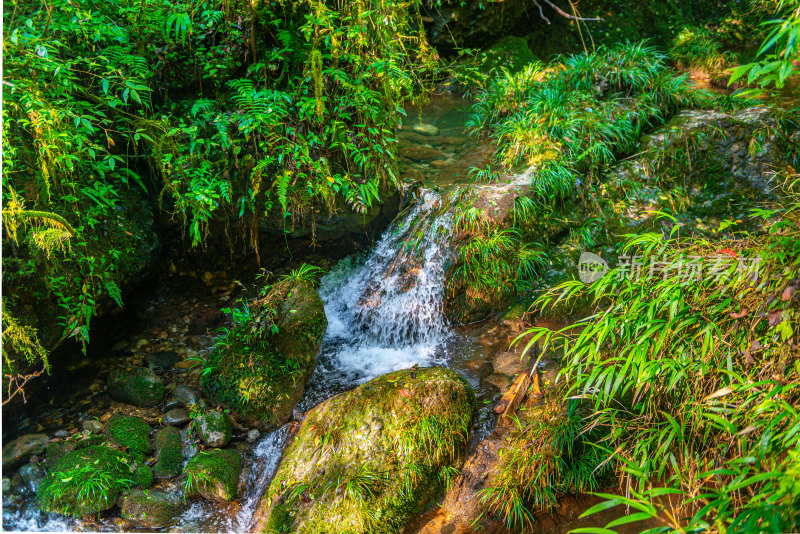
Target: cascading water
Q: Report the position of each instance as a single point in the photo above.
(385, 312)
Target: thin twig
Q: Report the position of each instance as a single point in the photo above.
(567, 15)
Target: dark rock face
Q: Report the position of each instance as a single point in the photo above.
(214, 475)
(17, 451)
(151, 509)
(138, 386)
(374, 432)
(162, 360)
(474, 24)
(176, 417)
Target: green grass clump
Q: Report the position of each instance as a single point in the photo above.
(87, 481)
(696, 48)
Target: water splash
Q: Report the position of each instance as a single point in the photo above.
(385, 311)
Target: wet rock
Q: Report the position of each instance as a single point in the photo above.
(6, 485)
(214, 428)
(162, 360)
(182, 396)
(60, 434)
(425, 129)
(500, 381)
(130, 433)
(169, 456)
(190, 450)
(397, 407)
(510, 363)
(93, 426)
(150, 509)
(62, 490)
(176, 417)
(32, 476)
(253, 435)
(18, 451)
(247, 381)
(214, 475)
(423, 153)
(206, 322)
(138, 386)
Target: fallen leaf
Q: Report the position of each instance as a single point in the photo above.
(775, 317)
(720, 393)
(728, 251)
(404, 393)
(786, 296)
(740, 314)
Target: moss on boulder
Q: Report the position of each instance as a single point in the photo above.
(510, 53)
(150, 509)
(214, 475)
(214, 428)
(370, 459)
(130, 432)
(169, 456)
(87, 481)
(264, 380)
(138, 386)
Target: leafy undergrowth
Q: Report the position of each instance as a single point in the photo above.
(693, 376)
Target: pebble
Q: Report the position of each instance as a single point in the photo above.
(175, 417)
(61, 433)
(190, 450)
(93, 426)
(253, 435)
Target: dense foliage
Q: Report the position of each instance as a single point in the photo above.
(217, 112)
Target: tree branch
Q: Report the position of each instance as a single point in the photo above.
(563, 13)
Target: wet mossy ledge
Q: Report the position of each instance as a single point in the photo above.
(370, 459)
(261, 365)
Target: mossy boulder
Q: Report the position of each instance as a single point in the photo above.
(214, 475)
(150, 509)
(138, 386)
(510, 53)
(370, 459)
(262, 380)
(169, 456)
(214, 428)
(87, 481)
(129, 432)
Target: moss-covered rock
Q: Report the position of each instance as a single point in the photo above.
(150, 509)
(263, 383)
(135, 385)
(129, 432)
(169, 456)
(87, 481)
(510, 53)
(370, 459)
(143, 477)
(214, 428)
(214, 475)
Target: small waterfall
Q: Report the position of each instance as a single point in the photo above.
(385, 311)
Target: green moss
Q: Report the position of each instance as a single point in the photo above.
(129, 432)
(369, 459)
(143, 477)
(214, 475)
(262, 379)
(510, 53)
(169, 456)
(86, 481)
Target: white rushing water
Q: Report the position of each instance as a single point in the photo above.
(385, 311)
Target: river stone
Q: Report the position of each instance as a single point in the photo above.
(93, 426)
(169, 456)
(162, 360)
(253, 435)
(18, 451)
(138, 386)
(214, 428)
(214, 475)
(248, 382)
(129, 432)
(32, 476)
(182, 396)
(423, 153)
(425, 129)
(61, 491)
(176, 417)
(337, 439)
(150, 509)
